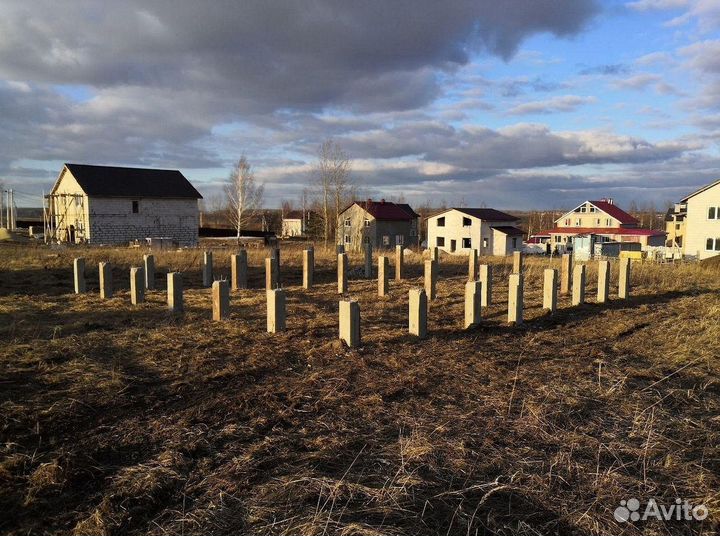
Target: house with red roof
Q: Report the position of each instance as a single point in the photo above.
(383, 224)
(605, 220)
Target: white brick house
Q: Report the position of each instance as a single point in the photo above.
(115, 205)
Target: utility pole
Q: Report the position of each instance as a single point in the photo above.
(12, 211)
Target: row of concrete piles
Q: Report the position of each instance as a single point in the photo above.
(478, 289)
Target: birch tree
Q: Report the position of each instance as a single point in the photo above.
(244, 194)
(332, 172)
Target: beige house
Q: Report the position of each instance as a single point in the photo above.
(700, 213)
(460, 230)
(383, 224)
(604, 219)
(116, 205)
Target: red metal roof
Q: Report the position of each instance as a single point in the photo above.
(602, 231)
(615, 211)
(385, 210)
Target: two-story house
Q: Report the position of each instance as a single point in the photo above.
(699, 216)
(489, 231)
(383, 224)
(605, 220)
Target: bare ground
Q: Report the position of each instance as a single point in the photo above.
(122, 420)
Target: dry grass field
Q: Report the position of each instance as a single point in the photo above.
(125, 420)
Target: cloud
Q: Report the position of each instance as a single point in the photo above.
(162, 83)
(703, 59)
(655, 58)
(606, 70)
(705, 12)
(123, 125)
(642, 81)
(703, 56)
(565, 103)
(639, 81)
(521, 146)
(646, 5)
(274, 55)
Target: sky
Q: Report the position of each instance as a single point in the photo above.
(518, 104)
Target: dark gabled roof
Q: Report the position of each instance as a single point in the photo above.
(109, 181)
(508, 230)
(386, 210)
(407, 208)
(487, 214)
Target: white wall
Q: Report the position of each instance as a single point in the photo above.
(112, 220)
(503, 244)
(482, 237)
(698, 227)
(292, 227)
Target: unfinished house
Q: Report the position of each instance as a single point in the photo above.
(461, 230)
(117, 205)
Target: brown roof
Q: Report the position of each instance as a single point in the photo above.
(407, 208)
(386, 210)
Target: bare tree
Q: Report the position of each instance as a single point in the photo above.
(333, 177)
(244, 195)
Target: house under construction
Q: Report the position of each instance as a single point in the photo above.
(115, 205)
